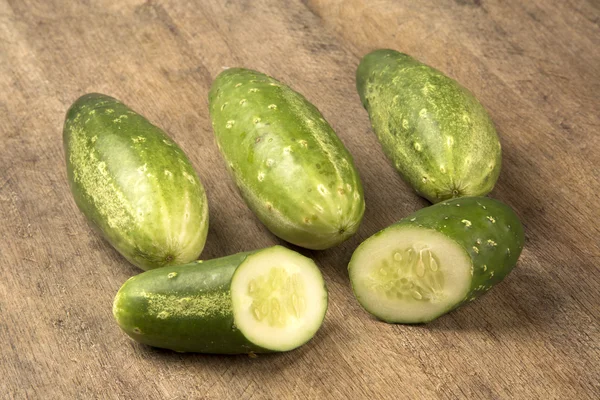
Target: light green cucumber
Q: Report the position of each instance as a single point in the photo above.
(264, 301)
(436, 259)
(134, 183)
(435, 132)
(290, 167)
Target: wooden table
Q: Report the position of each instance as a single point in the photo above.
(535, 65)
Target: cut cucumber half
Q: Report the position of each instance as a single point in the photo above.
(410, 275)
(279, 299)
(264, 301)
(436, 259)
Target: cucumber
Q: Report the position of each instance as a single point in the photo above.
(435, 132)
(133, 183)
(269, 300)
(289, 165)
(436, 259)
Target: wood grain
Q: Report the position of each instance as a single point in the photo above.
(536, 67)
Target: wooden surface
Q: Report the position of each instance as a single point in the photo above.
(534, 64)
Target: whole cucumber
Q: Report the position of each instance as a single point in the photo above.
(436, 259)
(134, 183)
(435, 132)
(290, 167)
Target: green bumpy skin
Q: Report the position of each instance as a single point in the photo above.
(290, 167)
(435, 132)
(488, 230)
(134, 183)
(186, 308)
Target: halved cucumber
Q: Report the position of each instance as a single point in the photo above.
(264, 301)
(436, 259)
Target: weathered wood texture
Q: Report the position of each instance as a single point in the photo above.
(535, 65)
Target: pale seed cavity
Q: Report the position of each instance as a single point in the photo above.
(411, 273)
(172, 275)
(272, 107)
(466, 222)
(277, 297)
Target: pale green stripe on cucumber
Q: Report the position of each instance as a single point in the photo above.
(268, 300)
(436, 259)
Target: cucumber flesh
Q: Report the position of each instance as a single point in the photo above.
(279, 299)
(410, 275)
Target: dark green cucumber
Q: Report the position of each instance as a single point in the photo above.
(290, 167)
(435, 132)
(264, 301)
(436, 259)
(134, 183)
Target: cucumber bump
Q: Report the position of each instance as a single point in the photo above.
(436, 259)
(269, 300)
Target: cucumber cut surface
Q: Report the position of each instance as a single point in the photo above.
(279, 299)
(410, 275)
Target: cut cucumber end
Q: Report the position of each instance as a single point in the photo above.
(279, 299)
(410, 275)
